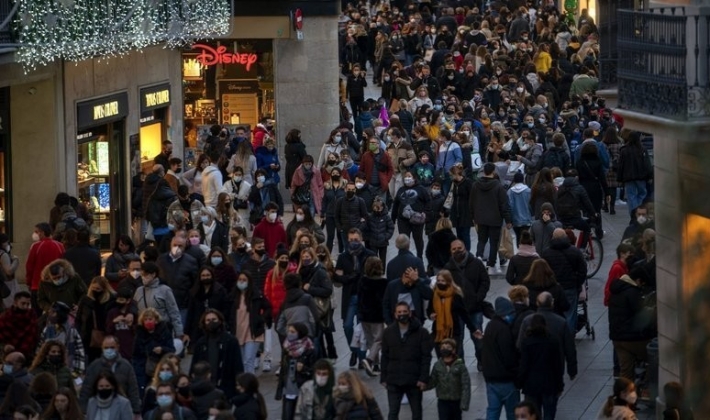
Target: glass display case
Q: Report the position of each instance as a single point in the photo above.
(93, 175)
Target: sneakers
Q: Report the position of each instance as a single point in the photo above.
(266, 365)
(405, 400)
(367, 365)
(494, 271)
(353, 360)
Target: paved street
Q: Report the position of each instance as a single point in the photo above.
(582, 398)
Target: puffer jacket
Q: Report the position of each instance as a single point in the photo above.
(349, 212)
(629, 319)
(434, 210)
(567, 262)
(379, 229)
(60, 372)
(452, 383)
(472, 277)
(406, 359)
(180, 275)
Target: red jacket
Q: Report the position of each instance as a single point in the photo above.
(19, 329)
(618, 269)
(275, 291)
(367, 162)
(272, 234)
(41, 254)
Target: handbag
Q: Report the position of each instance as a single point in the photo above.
(97, 336)
(323, 307)
(449, 202)
(476, 162)
(302, 193)
(506, 248)
(255, 215)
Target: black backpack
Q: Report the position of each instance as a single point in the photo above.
(552, 158)
(566, 203)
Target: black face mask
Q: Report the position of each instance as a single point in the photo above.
(260, 252)
(446, 352)
(403, 319)
(213, 327)
(442, 286)
(242, 249)
(55, 359)
(283, 264)
(184, 391)
(350, 194)
(105, 394)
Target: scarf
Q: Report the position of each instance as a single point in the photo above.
(297, 347)
(527, 251)
(442, 301)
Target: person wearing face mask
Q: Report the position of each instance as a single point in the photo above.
(193, 177)
(332, 192)
(295, 151)
(448, 311)
(492, 93)
(318, 284)
(117, 263)
(355, 85)
(224, 272)
(179, 271)
(60, 283)
(213, 232)
(451, 380)
(153, 340)
(173, 174)
(202, 391)
(270, 228)
(401, 154)
(154, 294)
(315, 398)
(409, 208)
(43, 251)
(248, 402)
(353, 399)
(267, 158)
(121, 371)
(303, 220)
(208, 292)
(165, 372)
(379, 229)
(107, 399)
(263, 131)
(297, 367)
(51, 358)
(92, 314)
(541, 367)
(500, 361)
(121, 320)
(307, 186)
(157, 205)
(333, 145)
(18, 325)
(168, 405)
(8, 264)
(620, 405)
(251, 314)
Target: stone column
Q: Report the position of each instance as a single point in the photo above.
(306, 84)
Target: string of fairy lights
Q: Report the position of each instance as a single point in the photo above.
(76, 30)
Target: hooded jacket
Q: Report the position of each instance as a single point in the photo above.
(298, 306)
(489, 203)
(580, 195)
(518, 200)
(499, 356)
(519, 265)
(272, 233)
(557, 325)
(438, 249)
(379, 229)
(629, 319)
(204, 394)
(158, 203)
(406, 359)
(567, 262)
(211, 184)
(41, 253)
(452, 382)
(70, 292)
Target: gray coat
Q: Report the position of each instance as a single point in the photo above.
(125, 375)
(160, 297)
(541, 233)
(120, 409)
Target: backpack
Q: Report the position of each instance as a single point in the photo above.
(552, 158)
(75, 223)
(566, 203)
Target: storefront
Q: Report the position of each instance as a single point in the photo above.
(101, 162)
(154, 120)
(5, 208)
(227, 82)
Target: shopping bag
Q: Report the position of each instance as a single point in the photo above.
(506, 248)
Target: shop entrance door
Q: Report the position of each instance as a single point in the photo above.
(102, 170)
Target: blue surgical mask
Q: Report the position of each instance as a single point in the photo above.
(165, 375)
(509, 318)
(292, 336)
(7, 369)
(216, 261)
(242, 285)
(110, 354)
(204, 219)
(164, 400)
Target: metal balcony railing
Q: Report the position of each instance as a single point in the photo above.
(608, 32)
(663, 62)
(7, 34)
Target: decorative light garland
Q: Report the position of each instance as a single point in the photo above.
(77, 30)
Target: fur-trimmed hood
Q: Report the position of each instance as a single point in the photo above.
(68, 269)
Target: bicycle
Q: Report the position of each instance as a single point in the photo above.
(592, 250)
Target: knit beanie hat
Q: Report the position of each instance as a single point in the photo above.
(504, 306)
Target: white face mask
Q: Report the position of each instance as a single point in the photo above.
(359, 185)
(272, 217)
(321, 380)
(641, 220)
(260, 179)
(519, 90)
(343, 388)
(631, 398)
(136, 274)
(299, 217)
(35, 237)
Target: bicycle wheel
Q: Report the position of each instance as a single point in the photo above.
(593, 255)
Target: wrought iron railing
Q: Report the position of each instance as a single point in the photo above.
(608, 33)
(7, 34)
(663, 64)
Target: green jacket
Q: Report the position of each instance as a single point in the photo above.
(452, 383)
(61, 373)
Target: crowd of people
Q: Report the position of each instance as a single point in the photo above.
(487, 120)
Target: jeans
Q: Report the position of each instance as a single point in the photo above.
(635, 194)
(332, 233)
(501, 394)
(349, 320)
(545, 403)
(488, 234)
(249, 351)
(394, 397)
(572, 296)
(464, 233)
(416, 231)
(449, 409)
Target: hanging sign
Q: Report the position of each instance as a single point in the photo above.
(211, 56)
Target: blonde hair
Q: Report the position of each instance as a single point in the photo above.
(449, 278)
(444, 223)
(165, 360)
(151, 312)
(359, 391)
(310, 250)
(105, 286)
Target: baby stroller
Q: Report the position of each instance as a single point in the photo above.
(583, 312)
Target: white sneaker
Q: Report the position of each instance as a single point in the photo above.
(405, 400)
(266, 365)
(620, 203)
(278, 371)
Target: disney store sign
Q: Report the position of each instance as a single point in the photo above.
(210, 56)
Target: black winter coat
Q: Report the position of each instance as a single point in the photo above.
(260, 312)
(541, 366)
(633, 164)
(204, 394)
(557, 292)
(215, 298)
(330, 197)
(230, 361)
(460, 210)
(499, 354)
(86, 261)
(415, 196)
(220, 236)
(629, 320)
(270, 193)
(157, 209)
(379, 229)
(257, 271)
(370, 293)
(567, 262)
(180, 275)
(294, 152)
(419, 293)
(246, 407)
(593, 179)
(406, 360)
(145, 342)
(318, 280)
(473, 279)
(460, 317)
(350, 279)
(434, 211)
(489, 203)
(90, 309)
(438, 249)
(518, 268)
(349, 213)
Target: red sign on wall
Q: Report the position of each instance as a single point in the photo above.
(210, 56)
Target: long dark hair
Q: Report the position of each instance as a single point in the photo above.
(73, 409)
(250, 290)
(293, 136)
(250, 384)
(540, 275)
(126, 240)
(17, 395)
(111, 378)
(542, 185)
